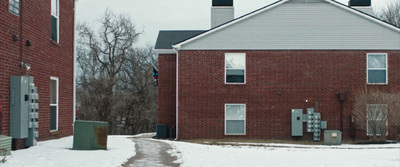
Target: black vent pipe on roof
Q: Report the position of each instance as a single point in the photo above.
(222, 3)
(360, 3)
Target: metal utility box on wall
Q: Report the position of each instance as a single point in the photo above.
(19, 103)
(90, 135)
(297, 122)
(332, 137)
(24, 109)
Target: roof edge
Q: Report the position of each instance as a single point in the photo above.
(363, 14)
(277, 3)
(234, 21)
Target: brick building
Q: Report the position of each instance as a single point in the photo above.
(37, 40)
(243, 77)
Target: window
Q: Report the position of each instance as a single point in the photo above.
(235, 119)
(235, 68)
(376, 118)
(55, 20)
(14, 7)
(53, 104)
(377, 68)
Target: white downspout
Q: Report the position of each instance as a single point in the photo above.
(74, 64)
(177, 90)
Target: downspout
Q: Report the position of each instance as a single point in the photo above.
(342, 98)
(177, 91)
(74, 78)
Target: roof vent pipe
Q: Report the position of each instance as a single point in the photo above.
(221, 12)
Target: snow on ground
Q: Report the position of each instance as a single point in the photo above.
(286, 155)
(58, 153)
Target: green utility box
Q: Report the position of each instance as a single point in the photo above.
(90, 135)
(5, 145)
(161, 131)
(332, 137)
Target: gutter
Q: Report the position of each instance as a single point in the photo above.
(74, 70)
(177, 91)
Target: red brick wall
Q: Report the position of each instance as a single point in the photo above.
(47, 59)
(276, 82)
(167, 89)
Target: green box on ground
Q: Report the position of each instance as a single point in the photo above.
(332, 137)
(161, 131)
(90, 135)
(5, 145)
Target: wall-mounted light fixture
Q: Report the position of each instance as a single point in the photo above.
(28, 43)
(26, 65)
(15, 38)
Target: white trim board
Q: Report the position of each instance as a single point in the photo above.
(165, 51)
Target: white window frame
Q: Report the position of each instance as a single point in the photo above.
(244, 54)
(387, 123)
(235, 134)
(58, 19)
(56, 105)
(387, 71)
(12, 7)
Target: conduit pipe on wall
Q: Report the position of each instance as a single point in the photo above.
(341, 98)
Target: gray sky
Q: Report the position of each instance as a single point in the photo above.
(151, 16)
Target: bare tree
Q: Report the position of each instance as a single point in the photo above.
(376, 112)
(391, 13)
(114, 82)
(137, 80)
(394, 114)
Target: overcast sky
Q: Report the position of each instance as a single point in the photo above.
(150, 16)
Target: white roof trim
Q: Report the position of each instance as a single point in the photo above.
(178, 46)
(165, 51)
(353, 10)
(333, 2)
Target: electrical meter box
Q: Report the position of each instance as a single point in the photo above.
(24, 109)
(19, 104)
(297, 122)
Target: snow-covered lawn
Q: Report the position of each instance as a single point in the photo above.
(58, 153)
(285, 155)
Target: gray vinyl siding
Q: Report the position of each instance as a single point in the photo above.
(301, 26)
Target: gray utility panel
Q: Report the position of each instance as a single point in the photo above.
(332, 137)
(19, 103)
(297, 122)
(24, 109)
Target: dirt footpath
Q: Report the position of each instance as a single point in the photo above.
(151, 153)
